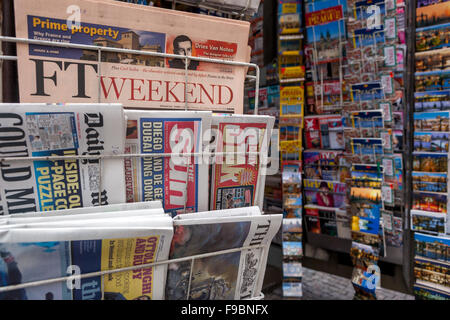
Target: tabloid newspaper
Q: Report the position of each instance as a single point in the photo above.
(230, 276)
(48, 74)
(46, 250)
(49, 130)
(176, 181)
(238, 180)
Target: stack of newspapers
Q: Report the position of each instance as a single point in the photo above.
(86, 189)
(88, 249)
(75, 156)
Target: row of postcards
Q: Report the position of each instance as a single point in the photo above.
(429, 214)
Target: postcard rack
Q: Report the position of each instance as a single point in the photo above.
(204, 155)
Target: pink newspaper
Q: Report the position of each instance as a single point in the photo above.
(58, 74)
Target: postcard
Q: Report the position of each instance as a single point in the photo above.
(427, 222)
(430, 162)
(432, 121)
(432, 202)
(431, 142)
(429, 181)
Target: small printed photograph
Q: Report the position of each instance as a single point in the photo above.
(432, 272)
(292, 269)
(431, 141)
(431, 121)
(432, 247)
(433, 80)
(370, 147)
(429, 181)
(292, 289)
(292, 225)
(292, 213)
(428, 223)
(429, 162)
(132, 132)
(292, 248)
(431, 202)
(433, 37)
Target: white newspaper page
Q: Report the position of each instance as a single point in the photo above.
(37, 130)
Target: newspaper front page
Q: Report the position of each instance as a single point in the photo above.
(231, 276)
(238, 180)
(42, 251)
(181, 183)
(47, 130)
(57, 74)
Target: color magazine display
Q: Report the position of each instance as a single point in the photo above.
(57, 74)
(181, 183)
(238, 180)
(355, 107)
(39, 130)
(291, 72)
(429, 214)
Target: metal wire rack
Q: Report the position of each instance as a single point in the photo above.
(262, 153)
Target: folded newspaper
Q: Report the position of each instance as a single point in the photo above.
(39, 130)
(231, 275)
(45, 248)
(135, 76)
(181, 183)
(249, 7)
(238, 180)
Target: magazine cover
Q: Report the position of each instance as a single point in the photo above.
(289, 16)
(291, 100)
(324, 132)
(238, 180)
(325, 165)
(139, 81)
(330, 194)
(229, 276)
(44, 130)
(325, 28)
(33, 254)
(179, 182)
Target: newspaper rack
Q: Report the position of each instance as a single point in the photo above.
(71, 278)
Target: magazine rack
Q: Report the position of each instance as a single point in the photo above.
(261, 154)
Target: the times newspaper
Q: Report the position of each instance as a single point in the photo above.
(181, 183)
(31, 130)
(57, 74)
(238, 180)
(231, 276)
(54, 248)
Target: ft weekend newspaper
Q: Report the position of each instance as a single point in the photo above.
(58, 74)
